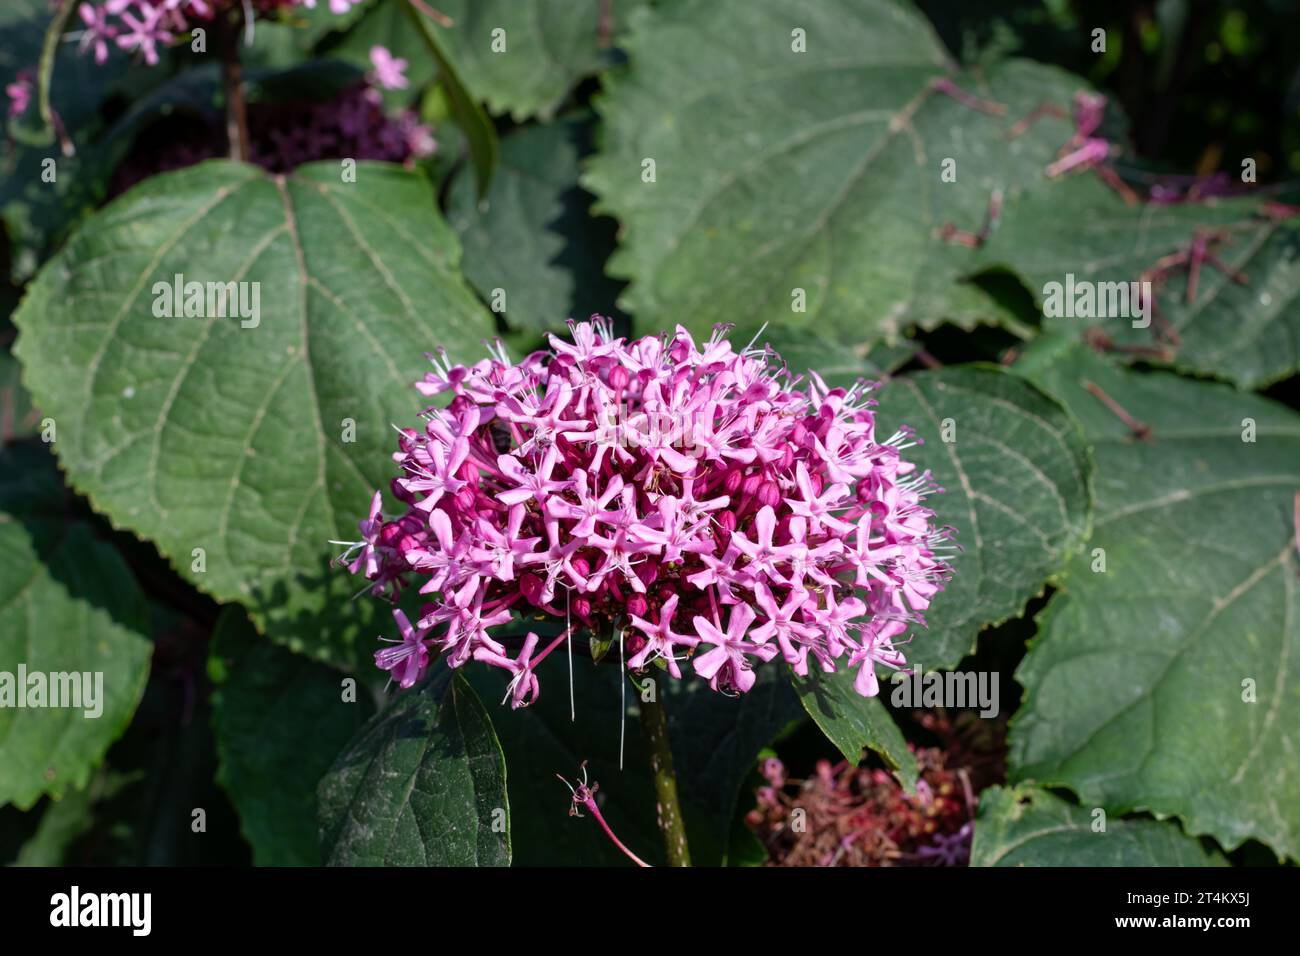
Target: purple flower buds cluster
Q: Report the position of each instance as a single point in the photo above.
(705, 504)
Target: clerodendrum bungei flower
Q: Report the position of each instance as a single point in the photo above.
(706, 504)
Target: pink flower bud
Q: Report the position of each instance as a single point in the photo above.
(400, 493)
(531, 586)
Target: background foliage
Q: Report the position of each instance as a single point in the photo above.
(775, 171)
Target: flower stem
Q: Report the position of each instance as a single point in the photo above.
(232, 85)
(654, 721)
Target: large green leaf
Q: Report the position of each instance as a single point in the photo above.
(731, 116)
(1163, 679)
(423, 784)
(204, 433)
(1248, 333)
(532, 237)
(1028, 827)
(279, 721)
(550, 45)
(853, 722)
(1016, 489)
(68, 605)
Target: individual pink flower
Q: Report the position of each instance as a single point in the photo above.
(726, 666)
(389, 71)
(19, 93)
(407, 661)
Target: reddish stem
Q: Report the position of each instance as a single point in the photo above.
(585, 796)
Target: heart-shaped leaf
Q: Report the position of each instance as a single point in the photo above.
(1027, 827)
(1163, 677)
(423, 784)
(241, 444)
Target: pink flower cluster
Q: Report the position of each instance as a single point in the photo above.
(141, 26)
(704, 503)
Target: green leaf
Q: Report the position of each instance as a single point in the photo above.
(1163, 678)
(731, 116)
(66, 820)
(204, 433)
(853, 722)
(68, 605)
(479, 132)
(532, 237)
(279, 721)
(423, 784)
(839, 365)
(34, 207)
(1016, 489)
(550, 45)
(1247, 333)
(18, 417)
(716, 741)
(1027, 827)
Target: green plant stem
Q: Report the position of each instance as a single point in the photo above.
(654, 721)
(232, 84)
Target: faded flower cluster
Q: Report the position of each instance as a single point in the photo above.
(706, 506)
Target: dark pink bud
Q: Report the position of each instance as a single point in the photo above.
(749, 487)
(769, 494)
(733, 480)
(390, 534)
(465, 498)
(773, 771)
(581, 566)
(618, 378)
(531, 586)
(400, 493)
(637, 605)
(798, 433)
(648, 571)
(727, 521)
(582, 609)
